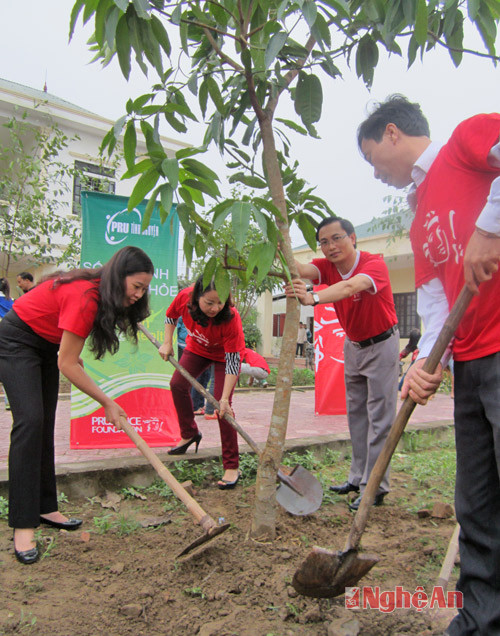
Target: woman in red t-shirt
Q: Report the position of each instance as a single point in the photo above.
(215, 336)
(43, 334)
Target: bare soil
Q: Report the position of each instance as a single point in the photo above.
(111, 582)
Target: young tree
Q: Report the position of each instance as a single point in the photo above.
(32, 183)
(243, 56)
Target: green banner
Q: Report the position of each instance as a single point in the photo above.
(136, 377)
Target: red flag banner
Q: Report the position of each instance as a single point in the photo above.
(329, 360)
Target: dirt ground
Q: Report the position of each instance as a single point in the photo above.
(117, 577)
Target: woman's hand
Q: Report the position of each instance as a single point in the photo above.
(113, 412)
(166, 350)
(225, 408)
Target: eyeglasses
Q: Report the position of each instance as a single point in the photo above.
(334, 240)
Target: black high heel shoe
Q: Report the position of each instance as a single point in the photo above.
(180, 450)
(70, 524)
(26, 557)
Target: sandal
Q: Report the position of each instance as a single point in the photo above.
(200, 411)
(224, 484)
(210, 416)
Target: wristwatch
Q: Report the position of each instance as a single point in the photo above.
(315, 298)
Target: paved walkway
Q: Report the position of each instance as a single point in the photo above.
(253, 412)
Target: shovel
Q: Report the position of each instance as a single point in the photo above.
(325, 574)
(205, 520)
(299, 492)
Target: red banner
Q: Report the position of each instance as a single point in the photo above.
(151, 412)
(329, 359)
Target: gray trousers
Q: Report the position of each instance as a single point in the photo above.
(371, 382)
(477, 495)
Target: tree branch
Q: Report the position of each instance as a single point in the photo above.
(222, 55)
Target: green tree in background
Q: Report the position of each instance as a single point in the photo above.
(33, 180)
(238, 59)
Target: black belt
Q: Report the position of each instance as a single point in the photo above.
(375, 339)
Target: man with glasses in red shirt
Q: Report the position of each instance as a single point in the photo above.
(359, 287)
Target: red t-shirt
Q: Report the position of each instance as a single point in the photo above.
(367, 313)
(212, 341)
(50, 310)
(254, 359)
(449, 201)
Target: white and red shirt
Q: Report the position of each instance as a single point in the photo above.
(449, 201)
(51, 309)
(254, 359)
(212, 341)
(370, 312)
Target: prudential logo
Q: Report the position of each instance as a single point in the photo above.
(123, 223)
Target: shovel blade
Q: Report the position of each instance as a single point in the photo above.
(325, 574)
(208, 536)
(305, 495)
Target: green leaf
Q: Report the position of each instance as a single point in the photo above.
(142, 9)
(308, 230)
(187, 249)
(203, 97)
(148, 212)
(221, 212)
(75, 12)
(130, 144)
(175, 123)
(209, 188)
(473, 8)
(214, 92)
(110, 26)
(309, 11)
(142, 166)
(366, 59)
(200, 169)
(269, 206)
(166, 198)
(199, 246)
(170, 169)
(161, 35)
(260, 219)
(240, 219)
(340, 6)
(122, 4)
(265, 262)
(118, 126)
(421, 21)
(143, 186)
(209, 271)
(294, 126)
(308, 98)
(222, 283)
(123, 47)
(274, 46)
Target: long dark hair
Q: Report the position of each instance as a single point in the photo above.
(5, 288)
(111, 313)
(224, 315)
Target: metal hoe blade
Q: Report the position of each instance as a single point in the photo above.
(291, 498)
(208, 536)
(325, 574)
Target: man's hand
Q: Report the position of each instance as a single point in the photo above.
(481, 258)
(298, 289)
(419, 384)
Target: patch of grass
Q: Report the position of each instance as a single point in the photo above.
(120, 524)
(4, 508)
(301, 377)
(194, 592)
(103, 523)
(27, 621)
(61, 498)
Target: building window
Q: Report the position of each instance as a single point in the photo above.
(406, 310)
(278, 324)
(91, 177)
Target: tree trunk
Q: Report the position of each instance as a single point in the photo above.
(264, 519)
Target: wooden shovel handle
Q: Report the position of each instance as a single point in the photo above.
(201, 389)
(399, 424)
(193, 506)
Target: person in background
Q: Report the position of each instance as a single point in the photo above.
(255, 366)
(203, 379)
(25, 282)
(215, 335)
(360, 289)
(411, 347)
(301, 339)
(44, 333)
(455, 237)
(6, 301)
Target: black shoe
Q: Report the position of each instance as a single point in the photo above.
(344, 488)
(378, 501)
(180, 450)
(70, 524)
(26, 557)
(229, 485)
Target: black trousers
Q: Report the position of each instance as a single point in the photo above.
(29, 373)
(477, 496)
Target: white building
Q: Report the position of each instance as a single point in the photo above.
(83, 153)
